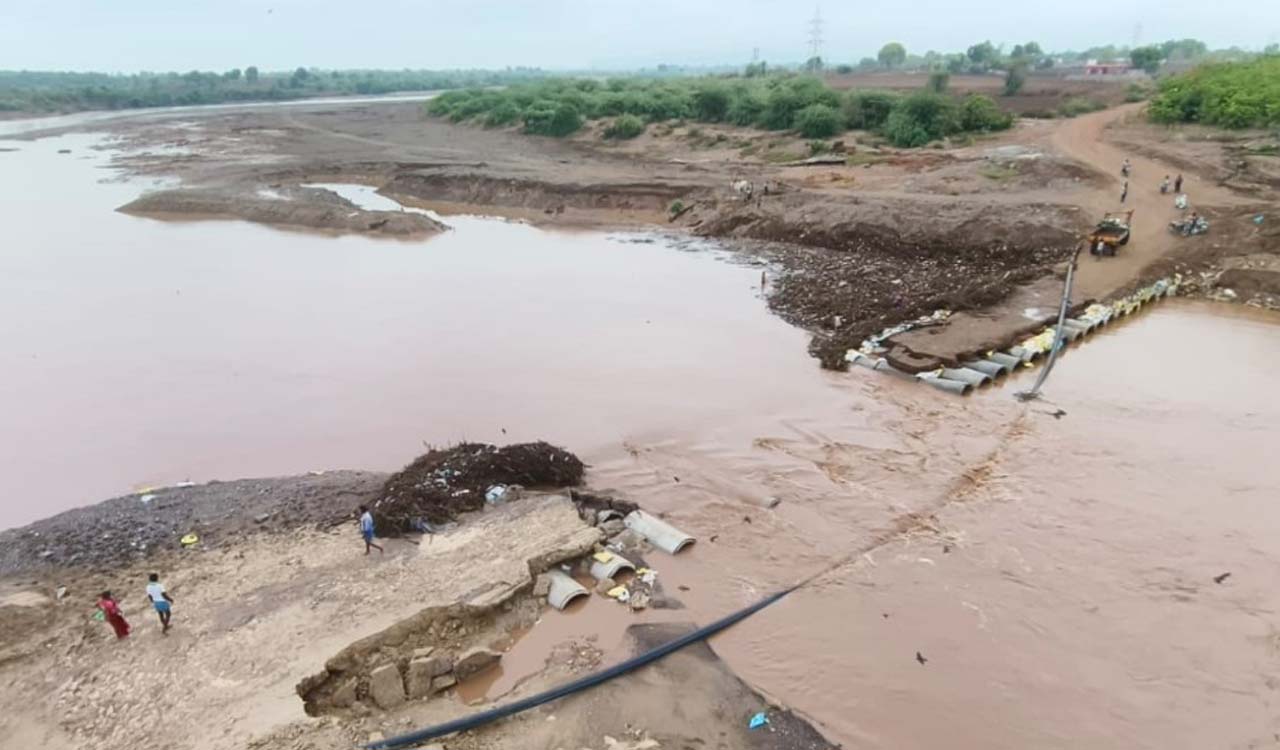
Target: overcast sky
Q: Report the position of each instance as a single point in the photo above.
(130, 35)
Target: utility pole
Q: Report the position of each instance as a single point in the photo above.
(815, 39)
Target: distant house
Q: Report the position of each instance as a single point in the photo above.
(1107, 67)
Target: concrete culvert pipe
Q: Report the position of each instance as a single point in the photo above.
(563, 589)
(663, 535)
(990, 369)
(965, 375)
(1008, 361)
(1084, 325)
(1069, 333)
(884, 366)
(609, 568)
(950, 386)
(1027, 355)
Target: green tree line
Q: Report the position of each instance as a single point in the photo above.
(1229, 95)
(560, 107)
(40, 92)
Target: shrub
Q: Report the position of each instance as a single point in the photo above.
(868, 110)
(501, 115)
(711, 103)
(905, 132)
(746, 108)
(558, 120)
(938, 81)
(624, 128)
(818, 121)
(1078, 105)
(980, 113)
(1015, 79)
(1231, 95)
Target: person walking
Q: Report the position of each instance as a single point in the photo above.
(1125, 168)
(1164, 185)
(1124, 191)
(161, 600)
(111, 613)
(1177, 183)
(366, 530)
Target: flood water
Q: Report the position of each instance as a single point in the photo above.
(1054, 572)
(140, 352)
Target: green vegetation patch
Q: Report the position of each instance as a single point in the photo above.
(1228, 95)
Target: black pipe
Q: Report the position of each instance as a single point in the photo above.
(591, 680)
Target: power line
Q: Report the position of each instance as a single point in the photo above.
(815, 35)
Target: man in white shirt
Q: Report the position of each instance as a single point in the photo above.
(160, 599)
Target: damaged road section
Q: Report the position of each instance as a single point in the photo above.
(429, 651)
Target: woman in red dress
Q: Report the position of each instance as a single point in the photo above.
(111, 611)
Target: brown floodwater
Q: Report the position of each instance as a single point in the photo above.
(141, 352)
(1056, 574)
(1060, 577)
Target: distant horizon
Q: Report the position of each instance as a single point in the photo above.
(133, 36)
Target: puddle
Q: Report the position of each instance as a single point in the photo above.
(588, 623)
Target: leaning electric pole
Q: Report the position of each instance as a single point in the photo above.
(815, 40)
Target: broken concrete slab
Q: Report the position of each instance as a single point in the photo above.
(386, 688)
(345, 694)
(474, 661)
(443, 682)
(422, 671)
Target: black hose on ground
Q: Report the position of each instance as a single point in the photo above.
(591, 680)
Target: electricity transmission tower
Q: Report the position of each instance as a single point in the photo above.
(815, 40)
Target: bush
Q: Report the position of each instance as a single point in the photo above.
(624, 128)
(557, 120)
(1015, 79)
(818, 121)
(938, 81)
(711, 103)
(868, 110)
(980, 113)
(937, 114)
(1230, 95)
(505, 113)
(1078, 105)
(905, 132)
(746, 108)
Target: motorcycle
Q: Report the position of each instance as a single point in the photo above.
(1189, 227)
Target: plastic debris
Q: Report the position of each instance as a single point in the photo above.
(494, 495)
(620, 593)
(189, 540)
(603, 557)
(872, 344)
(147, 498)
(758, 720)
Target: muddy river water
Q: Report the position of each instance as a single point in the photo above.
(993, 574)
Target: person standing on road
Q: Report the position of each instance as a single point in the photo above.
(366, 530)
(111, 612)
(1164, 185)
(1177, 183)
(1124, 168)
(1124, 191)
(161, 600)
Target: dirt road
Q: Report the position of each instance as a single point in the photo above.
(1083, 139)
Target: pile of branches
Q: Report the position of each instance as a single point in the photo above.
(443, 483)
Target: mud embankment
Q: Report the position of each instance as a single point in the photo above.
(867, 264)
(292, 207)
(648, 200)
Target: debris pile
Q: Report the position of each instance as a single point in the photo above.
(443, 483)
